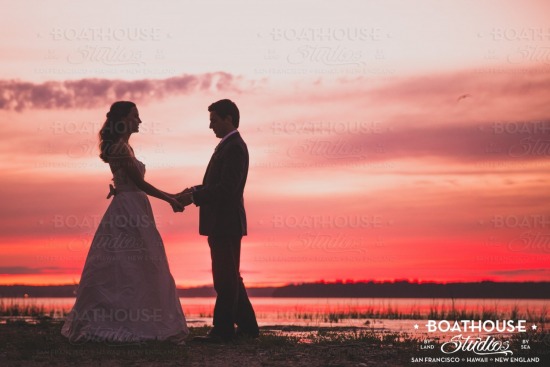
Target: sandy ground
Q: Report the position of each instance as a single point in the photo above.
(42, 345)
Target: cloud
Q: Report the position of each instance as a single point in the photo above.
(509, 144)
(88, 93)
(464, 143)
(465, 86)
(466, 117)
(522, 272)
(26, 270)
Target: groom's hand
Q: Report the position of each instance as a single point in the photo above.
(186, 191)
(185, 198)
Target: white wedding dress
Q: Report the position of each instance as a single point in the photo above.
(126, 292)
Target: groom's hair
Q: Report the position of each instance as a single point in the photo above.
(224, 108)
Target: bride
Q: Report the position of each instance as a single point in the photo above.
(126, 292)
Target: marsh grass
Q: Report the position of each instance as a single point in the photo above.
(370, 337)
(435, 312)
(442, 310)
(17, 309)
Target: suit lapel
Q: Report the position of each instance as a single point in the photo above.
(220, 145)
(217, 151)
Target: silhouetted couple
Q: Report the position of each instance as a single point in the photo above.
(126, 291)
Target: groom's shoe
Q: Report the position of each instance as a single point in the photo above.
(214, 337)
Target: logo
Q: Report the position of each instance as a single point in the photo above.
(475, 341)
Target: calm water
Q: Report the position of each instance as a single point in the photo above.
(318, 312)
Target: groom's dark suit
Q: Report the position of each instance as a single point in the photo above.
(223, 220)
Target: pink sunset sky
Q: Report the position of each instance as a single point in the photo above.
(388, 139)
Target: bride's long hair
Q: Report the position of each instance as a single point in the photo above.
(114, 127)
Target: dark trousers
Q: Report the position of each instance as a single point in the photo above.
(232, 303)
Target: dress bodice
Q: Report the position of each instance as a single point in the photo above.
(125, 183)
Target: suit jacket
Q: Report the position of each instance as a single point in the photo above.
(220, 197)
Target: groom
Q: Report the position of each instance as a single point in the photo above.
(223, 219)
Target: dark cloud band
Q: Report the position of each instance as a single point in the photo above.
(89, 93)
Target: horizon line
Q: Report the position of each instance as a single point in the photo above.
(339, 282)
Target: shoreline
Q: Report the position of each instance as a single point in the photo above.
(397, 289)
(42, 344)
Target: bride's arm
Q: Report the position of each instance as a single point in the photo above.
(127, 162)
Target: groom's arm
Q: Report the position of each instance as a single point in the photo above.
(185, 197)
(233, 172)
(190, 189)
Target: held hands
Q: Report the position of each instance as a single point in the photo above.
(176, 206)
(184, 198)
